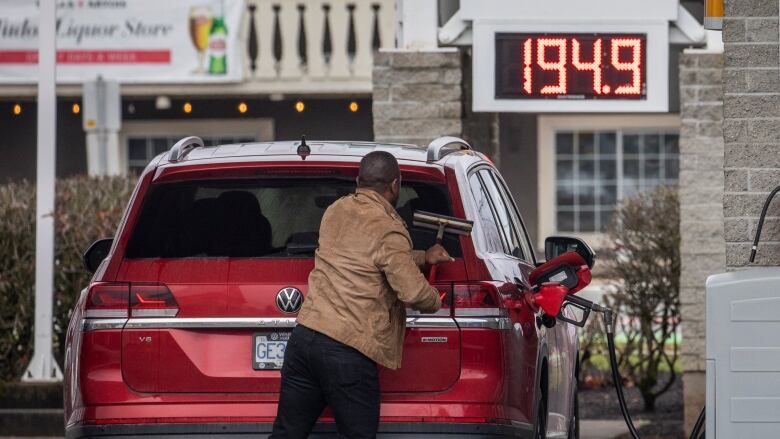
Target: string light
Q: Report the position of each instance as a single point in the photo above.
(187, 107)
(17, 109)
(75, 108)
(354, 107)
(242, 107)
(300, 106)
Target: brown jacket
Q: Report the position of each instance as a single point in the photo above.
(364, 272)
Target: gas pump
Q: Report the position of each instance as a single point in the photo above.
(556, 284)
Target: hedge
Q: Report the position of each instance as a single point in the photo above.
(86, 209)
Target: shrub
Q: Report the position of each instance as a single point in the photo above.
(86, 209)
(645, 258)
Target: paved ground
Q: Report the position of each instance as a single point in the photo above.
(601, 428)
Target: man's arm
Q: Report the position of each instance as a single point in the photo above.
(394, 257)
(419, 257)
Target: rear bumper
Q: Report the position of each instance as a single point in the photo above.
(321, 431)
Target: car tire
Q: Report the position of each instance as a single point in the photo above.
(574, 423)
(540, 430)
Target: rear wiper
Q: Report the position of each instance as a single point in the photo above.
(294, 248)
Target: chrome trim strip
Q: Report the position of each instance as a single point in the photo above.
(484, 322)
(154, 312)
(95, 324)
(211, 322)
(442, 312)
(430, 322)
(480, 312)
(259, 322)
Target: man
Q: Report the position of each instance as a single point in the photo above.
(354, 315)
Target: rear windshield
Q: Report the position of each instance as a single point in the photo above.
(259, 218)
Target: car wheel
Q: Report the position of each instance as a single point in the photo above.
(574, 424)
(541, 412)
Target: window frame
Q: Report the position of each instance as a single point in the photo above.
(261, 129)
(516, 228)
(547, 126)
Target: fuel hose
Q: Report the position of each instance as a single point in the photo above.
(698, 428)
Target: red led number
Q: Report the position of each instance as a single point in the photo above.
(560, 65)
(635, 44)
(552, 56)
(594, 66)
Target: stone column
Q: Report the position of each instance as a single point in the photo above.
(751, 128)
(417, 95)
(702, 247)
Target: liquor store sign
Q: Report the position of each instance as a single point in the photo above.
(130, 41)
(532, 67)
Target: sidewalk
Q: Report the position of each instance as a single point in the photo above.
(601, 428)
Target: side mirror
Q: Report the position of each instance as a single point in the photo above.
(555, 246)
(96, 253)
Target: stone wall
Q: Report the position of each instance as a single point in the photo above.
(702, 247)
(417, 95)
(751, 128)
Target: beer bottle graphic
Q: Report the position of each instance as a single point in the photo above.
(218, 45)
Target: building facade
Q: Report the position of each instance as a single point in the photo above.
(305, 70)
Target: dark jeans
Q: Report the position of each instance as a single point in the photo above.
(318, 372)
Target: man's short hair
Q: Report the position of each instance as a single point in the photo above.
(377, 170)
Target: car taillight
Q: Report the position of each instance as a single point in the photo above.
(476, 300)
(152, 300)
(107, 300)
(445, 294)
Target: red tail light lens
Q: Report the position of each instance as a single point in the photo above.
(476, 299)
(107, 300)
(152, 300)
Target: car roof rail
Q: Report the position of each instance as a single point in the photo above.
(183, 146)
(442, 146)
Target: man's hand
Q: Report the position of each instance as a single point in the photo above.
(436, 254)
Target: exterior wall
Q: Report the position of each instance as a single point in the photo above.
(417, 95)
(751, 127)
(702, 247)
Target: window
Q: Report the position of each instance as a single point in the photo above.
(485, 217)
(526, 252)
(142, 149)
(507, 229)
(594, 170)
(260, 218)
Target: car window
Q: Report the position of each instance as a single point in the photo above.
(485, 217)
(506, 227)
(261, 218)
(517, 223)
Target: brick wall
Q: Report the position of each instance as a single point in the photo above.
(702, 247)
(417, 96)
(751, 127)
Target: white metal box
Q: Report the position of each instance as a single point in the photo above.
(743, 354)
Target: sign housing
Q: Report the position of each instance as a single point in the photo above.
(551, 67)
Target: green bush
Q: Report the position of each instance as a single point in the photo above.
(86, 209)
(645, 237)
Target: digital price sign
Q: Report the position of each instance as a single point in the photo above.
(570, 66)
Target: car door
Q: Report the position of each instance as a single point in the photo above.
(561, 340)
(510, 260)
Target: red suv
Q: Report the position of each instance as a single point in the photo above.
(182, 330)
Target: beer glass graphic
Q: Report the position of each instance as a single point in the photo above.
(201, 19)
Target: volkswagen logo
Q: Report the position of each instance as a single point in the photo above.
(289, 300)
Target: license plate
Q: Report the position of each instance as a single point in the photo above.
(268, 350)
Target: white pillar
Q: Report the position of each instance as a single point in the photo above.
(43, 367)
(418, 24)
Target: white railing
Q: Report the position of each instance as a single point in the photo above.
(315, 45)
